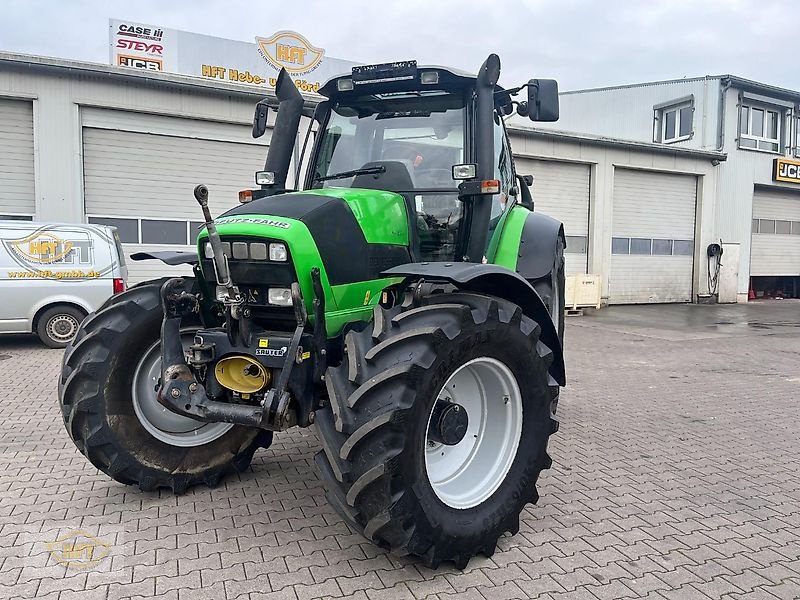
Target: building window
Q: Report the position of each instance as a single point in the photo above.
(16, 218)
(152, 231)
(759, 128)
(577, 244)
(674, 123)
(620, 245)
(776, 226)
(194, 231)
(127, 229)
(163, 232)
(652, 247)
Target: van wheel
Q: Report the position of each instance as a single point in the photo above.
(58, 325)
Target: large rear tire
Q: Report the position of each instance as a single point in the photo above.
(378, 463)
(107, 397)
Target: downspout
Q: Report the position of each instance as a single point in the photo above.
(726, 84)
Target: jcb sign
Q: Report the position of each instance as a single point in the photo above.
(787, 170)
(290, 50)
(138, 62)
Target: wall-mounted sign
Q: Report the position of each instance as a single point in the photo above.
(786, 169)
(153, 47)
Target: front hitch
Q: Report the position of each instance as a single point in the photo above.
(180, 391)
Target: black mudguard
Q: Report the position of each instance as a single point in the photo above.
(496, 281)
(537, 249)
(168, 257)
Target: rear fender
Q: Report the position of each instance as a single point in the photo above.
(538, 242)
(495, 281)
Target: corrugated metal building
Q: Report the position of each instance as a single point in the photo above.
(97, 143)
(755, 124)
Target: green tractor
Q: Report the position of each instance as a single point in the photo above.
(407, 303)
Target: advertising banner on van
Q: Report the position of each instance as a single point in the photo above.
(59, 252)
(153, 47)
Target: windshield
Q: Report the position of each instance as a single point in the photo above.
(405, 143)
(422, 135)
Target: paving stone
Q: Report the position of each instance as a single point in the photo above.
(655, 492)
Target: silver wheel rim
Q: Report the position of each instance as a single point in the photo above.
(554, 307)
(467, 474)
(62, 327)
(160, 422)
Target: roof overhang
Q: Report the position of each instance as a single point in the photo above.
(596, 140)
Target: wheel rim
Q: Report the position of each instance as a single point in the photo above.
(160, 422)
(555, 309)
(466, 474)
(62, 327)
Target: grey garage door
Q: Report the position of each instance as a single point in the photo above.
(16, 159)
(561, 190)
(143, 182)
(652, 250)
(775, 246)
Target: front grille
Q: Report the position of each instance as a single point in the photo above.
(247, 266)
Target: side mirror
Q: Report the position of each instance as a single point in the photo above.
(525, 181)
(260, 119)
(542, 100)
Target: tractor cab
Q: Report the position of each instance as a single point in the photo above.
(428, 134)
(413, 141)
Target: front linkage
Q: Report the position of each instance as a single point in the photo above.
(296, 358)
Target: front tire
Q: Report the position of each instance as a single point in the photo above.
(376, 459)
(107, 397)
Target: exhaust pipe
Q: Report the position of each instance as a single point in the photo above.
(484, 146)
(284, 133)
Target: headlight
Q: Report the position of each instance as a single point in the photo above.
(279, 296)
(277, 252)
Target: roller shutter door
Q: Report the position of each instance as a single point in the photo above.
(561, 190)
(775, 246)
(143, 183)
(652, 249)
(17, 197)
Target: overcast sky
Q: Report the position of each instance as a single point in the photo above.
(580, 43)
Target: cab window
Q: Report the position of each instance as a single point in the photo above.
(503, 169)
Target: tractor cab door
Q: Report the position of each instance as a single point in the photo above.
(504, 172)
(406, 145)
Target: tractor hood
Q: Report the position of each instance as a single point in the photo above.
(355, 233)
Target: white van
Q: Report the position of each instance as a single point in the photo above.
(53, 275)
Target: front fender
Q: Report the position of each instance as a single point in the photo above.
(495, 281)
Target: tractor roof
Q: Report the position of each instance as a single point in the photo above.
(398, 76)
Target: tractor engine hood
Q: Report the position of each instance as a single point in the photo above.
(357, 233)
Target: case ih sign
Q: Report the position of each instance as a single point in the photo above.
(786, 170)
